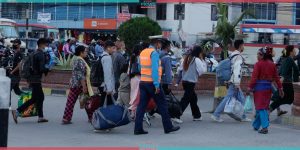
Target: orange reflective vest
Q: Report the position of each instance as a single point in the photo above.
(146, 68)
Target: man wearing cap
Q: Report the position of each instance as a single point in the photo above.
(150, 87)
(14, 72)
(35, 81)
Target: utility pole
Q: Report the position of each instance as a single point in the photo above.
(180, 15)
(27, 24)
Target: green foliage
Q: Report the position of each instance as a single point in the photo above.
(226, 30)
(138, 29)
(64, 64)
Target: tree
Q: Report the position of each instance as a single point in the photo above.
(138, 30)
(226, 30)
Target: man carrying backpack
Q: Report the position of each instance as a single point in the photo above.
(234, 89)
(107, 87)
(38, 66)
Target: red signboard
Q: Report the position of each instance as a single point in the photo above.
(227, 1)
(123, 17)
(100, 24)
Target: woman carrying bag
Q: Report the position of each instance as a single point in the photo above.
(194, 65)
(79, 83)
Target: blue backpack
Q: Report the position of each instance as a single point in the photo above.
(223, 70)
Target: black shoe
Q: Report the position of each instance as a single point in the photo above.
(140, 132)
(263, 131)
(255, 129)
(172, 130)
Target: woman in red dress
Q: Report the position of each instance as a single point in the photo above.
(264, 73)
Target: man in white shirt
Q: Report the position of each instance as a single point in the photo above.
(234, 82)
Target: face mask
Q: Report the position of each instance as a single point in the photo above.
(46, 49)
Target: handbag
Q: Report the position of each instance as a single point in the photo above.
(31, 110)
(248, 107)
(234, 108)
(92, 104)
(110, 116)
(174, 107)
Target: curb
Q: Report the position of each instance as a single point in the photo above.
(65, 92)
(291, 121)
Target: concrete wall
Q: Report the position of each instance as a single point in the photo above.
(197, 20)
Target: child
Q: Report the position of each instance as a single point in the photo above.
(124, 89)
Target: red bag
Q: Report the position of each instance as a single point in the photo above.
(91, 105)
(151, 105)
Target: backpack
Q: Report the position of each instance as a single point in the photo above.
(26, 66)
(224, 69)
(97, 74)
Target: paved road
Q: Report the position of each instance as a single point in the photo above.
(192, 134)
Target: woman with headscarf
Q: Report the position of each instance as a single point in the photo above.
(264, 74)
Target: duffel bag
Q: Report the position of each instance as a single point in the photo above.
(110, 116)
(174, 107)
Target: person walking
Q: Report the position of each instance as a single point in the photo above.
(234, 88)
(79, 83)
(14, 73)
(289, 73)
(264, 74)
(107, 88)
(194, 65)
(166, 64)
(35, 81)
(124, 89)
(98, 49)
(150, 88)
(66, 49)
(135, 77)
(118, 62)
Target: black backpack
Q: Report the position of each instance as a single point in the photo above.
(97, 74)
(26, 66)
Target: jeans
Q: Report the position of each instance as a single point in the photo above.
(261, 119)
(232, 91)
(37, 98)
(190, 98)
(147, 91)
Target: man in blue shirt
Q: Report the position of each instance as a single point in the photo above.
(150, 87)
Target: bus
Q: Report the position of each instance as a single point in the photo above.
(38, 31)
(261, 35)
(8, 31)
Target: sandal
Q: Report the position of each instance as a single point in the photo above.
(263, 131)
(280, 113)
(65, 122)
(43, 120)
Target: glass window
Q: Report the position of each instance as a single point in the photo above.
(263, 11)
(50, 8)
(179, 9)
(98, 11)
(161, 12)
(111, 11)
(61, 11)
(85, 11)
(73, 12)
(8, 31)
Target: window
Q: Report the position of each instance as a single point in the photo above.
(161, 12)
(179, 10)
(264, 11)
(214, 13)
(73, 11)
(297, 13)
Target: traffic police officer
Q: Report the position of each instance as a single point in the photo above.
(150, 87)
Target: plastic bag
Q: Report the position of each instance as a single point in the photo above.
(248, 107)
(234, 109)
